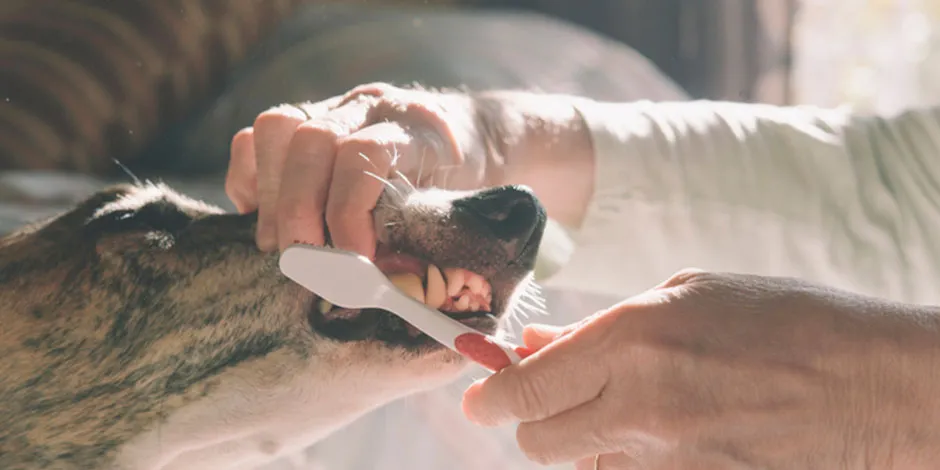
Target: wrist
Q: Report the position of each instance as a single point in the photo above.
(916, 373)
(902, 392)
(540, 141)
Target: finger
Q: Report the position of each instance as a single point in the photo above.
(273, 130)
(363, 161)
(531, 391)
(241, 180)
(536, 336)
(308, 174)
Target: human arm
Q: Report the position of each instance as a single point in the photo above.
(729, 370)
(825, 195)
(819, 194)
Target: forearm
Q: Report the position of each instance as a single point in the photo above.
(542, 142)
(895, 421)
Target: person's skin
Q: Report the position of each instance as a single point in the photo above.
(707, 371)
(306, 175)
(722, 371)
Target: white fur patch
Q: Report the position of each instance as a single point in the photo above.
(248, 422)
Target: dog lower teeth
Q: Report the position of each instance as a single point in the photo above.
(455, 281)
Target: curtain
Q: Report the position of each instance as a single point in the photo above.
(716, 49)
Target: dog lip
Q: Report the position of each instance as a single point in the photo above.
(395, 262)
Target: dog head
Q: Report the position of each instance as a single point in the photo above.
(144, 326)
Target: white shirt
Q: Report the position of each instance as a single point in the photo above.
(850, 201)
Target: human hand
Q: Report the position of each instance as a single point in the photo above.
(317, 168)
(719, 371)
(314, 166)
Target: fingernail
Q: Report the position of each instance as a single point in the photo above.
(545, 331)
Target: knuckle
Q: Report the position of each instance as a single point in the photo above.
(318, 131)
(278, 116)
(684, 276)
(376, 89)
(242, 138)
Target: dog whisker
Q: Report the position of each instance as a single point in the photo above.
(393, 156)
(364, 157)
(384, 181)
(405, 179)
(424, 154)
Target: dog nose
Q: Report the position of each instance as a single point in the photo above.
(511, 213)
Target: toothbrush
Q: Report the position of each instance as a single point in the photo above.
(352, 281)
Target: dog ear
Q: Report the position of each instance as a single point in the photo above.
(65, 224)
(50, 239)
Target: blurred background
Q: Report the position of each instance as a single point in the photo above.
(83, 82)
(162, 85)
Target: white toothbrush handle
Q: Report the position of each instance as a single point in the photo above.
(485, 350)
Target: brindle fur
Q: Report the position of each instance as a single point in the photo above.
(127, 315)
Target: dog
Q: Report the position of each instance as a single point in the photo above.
(143, 329)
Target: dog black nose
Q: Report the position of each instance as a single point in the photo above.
(511, 213)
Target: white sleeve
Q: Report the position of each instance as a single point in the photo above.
(818, 194)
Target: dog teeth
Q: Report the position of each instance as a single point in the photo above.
(455, 281)
(410, 284)
(460, 289)
(463, 303)
(437, 288)
(324, 306)
(475, 283)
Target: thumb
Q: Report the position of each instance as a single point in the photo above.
(556, 379)
(536, 336)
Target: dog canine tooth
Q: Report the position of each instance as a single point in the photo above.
(455, 280)
(324, 306)
(475, 283)
(437, 288)
(410, 284)
(463, 304)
